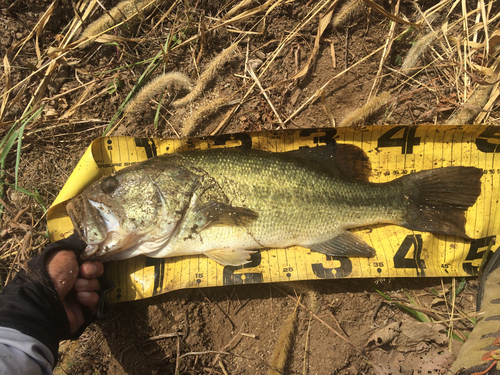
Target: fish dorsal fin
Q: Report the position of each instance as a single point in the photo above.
(346, 160)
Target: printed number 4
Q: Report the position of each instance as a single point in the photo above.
(400, 258)
(406, 141)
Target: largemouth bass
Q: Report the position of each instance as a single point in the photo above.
(228, 203)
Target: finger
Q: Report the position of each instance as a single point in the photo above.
(62, 268)
(91, 270)
(74, 312)
(86, 285)
(89, 299)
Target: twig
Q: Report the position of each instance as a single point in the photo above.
(221, 365)
(150, 339)
(254, 77)
(338, 324)
(6, 207)
(387, 49)
(213, 352)
(450, 326)
(332, 52)
(19, 214)
(26, 240)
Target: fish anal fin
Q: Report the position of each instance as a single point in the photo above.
(344, 160)
(218, 213)
(346, 244)
(230, 257)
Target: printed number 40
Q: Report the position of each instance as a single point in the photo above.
(406, 141)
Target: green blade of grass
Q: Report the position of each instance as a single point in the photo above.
(421, 317)
(35, 195)
(461, 286)
(157, 114)
(456, 337)
(15, 133)
(20, 133)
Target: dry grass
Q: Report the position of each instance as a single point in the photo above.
(83, 83)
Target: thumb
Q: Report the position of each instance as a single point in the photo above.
(62, 268)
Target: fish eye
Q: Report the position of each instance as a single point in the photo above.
(109, 184)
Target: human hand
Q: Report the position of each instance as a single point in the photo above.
(76, 286)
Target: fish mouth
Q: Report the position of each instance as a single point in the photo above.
(115, 240)
(87, 220)
(98, 226)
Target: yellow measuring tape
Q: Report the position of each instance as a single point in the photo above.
(393, 151)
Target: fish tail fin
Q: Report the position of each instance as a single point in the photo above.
(439, 198)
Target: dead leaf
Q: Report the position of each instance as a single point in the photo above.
(413, 334)
(407, 336)
(383, 336)
(324, 22)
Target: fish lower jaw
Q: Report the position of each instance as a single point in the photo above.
(89, 251)
(115, 243)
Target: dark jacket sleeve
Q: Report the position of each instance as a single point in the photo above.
(31, 305)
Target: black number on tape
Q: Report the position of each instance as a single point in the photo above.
(230, 278)
(344, 270)
(245, 139)
(328, 138)
(406, 141)
(149, 146)
(401, 259)
(159, 272)
(474, 254)
(483, 141)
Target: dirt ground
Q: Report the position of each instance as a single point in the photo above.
(341, 327)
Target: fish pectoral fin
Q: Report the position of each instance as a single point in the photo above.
(230, 257)
(218, 213)
(346, 244)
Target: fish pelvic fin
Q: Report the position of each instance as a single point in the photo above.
(439, 198)
(346, 244)
(230, 257)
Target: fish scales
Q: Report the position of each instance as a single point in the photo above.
(295, 199)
